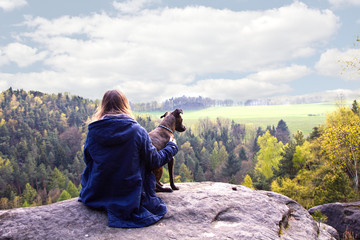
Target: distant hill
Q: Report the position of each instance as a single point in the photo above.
(198, 103)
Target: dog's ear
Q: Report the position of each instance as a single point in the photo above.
(165, 114)
(177, 112)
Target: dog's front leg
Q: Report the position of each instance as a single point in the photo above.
(171, 174)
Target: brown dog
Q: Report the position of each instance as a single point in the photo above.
(160, 136)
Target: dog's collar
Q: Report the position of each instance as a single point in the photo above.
(166, 128)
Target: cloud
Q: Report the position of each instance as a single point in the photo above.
(3, 58)
(239, 89)
(174, 49)
(280, 75)
(341, 3)
(9, 5)
(22, 55)
(132, 6)
(336, 63)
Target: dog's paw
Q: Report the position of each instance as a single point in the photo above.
(174, 187)
(161, 189)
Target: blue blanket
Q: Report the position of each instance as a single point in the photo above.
(119, 157)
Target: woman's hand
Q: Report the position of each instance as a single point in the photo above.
(172, 139)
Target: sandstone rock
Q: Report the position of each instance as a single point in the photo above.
(197, 211)
(342, 216)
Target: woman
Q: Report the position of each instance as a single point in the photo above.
(119, 157)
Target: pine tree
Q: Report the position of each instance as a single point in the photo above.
(242, 154)
(232, 166)
(72, 189)
(58, 179)
(29, 194)
(282, 132)
(25, 204)
(64, 196)
(199, 173)
(355, 107)
(185, 174)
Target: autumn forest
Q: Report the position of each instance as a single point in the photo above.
(42, 135)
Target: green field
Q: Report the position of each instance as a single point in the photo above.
(298, 117)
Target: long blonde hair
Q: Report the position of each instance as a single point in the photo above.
(113, 102)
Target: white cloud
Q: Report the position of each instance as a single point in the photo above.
(22, 55)
(3, 58)
(9, 5)
(337, 63)
(240, 89)
(340, 3)
(132, 6)
(170, 49)
(286, 74)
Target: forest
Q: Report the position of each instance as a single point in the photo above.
(42, 136)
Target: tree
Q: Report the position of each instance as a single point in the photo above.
(301, 155)
(29, 194)
(72, 189)
(282, 132)
(248, 182)
(232, 166)
(214, 156)
(351, 66)
(334, 187)
(185, 174)
(300, 192)
(199, 173)
(269, 154)
(64, 196)
(204, 159)
(341, 142)
(315, 133)
(355, 107)
(58, 179)
(242, 154)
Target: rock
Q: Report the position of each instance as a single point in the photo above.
(330, 230)
(342, 216)
(197, 211)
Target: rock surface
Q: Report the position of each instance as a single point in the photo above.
(205, 210)
(342, 216)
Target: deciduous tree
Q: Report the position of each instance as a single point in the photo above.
(269, 154)
(341, 142)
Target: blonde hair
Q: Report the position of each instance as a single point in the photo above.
(113, 102)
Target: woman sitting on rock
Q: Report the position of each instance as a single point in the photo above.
(119, 157)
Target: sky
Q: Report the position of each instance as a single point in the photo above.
(153, 50)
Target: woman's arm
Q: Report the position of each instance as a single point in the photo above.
(154, 158)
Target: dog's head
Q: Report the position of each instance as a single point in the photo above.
(176, 115)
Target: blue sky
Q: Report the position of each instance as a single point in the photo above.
(157, 49)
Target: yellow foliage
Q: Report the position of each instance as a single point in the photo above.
(302, 155)
(340, 142)
(37, 100)
(186, 147)
(302, 193)
(13, 102)
(248, 182)
(269, 155)
(6, 163)
(2, 122)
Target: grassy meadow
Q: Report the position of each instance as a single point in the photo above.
(298, 116)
